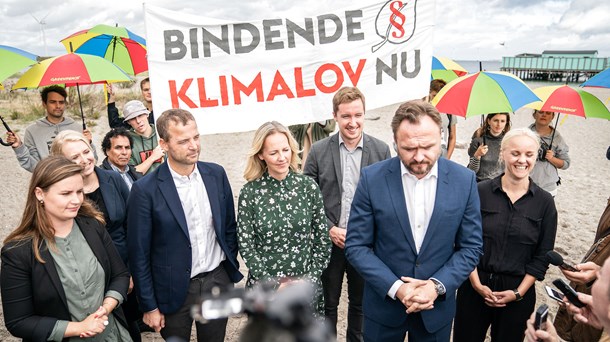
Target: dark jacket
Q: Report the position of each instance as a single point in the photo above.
(115, 194)
(158, 237)
(33, 297)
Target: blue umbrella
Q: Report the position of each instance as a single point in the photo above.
(601, 80)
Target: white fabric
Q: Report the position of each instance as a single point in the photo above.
(205, 250)
(420, 195)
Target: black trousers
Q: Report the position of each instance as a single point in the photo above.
(413, 328)
(179, 324)
(332, 282)
(473, 316)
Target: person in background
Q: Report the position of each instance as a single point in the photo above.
(307, 134)
(39, 135)
(412, 247)
(335, 163)
(484, 150)
(281, 227)
(182, 233)
(114, 120)
(519, 227)
(448, 121)
(550, 158)
(146, 153)
(117, 148)
(61, 276)
(109, 193)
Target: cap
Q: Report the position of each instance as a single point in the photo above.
(134, 108)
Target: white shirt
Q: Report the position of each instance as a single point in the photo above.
(205, 250)
(420, 195)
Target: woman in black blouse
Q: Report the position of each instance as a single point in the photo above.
(519, 226)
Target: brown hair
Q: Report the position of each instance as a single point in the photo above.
(481, 130)
(174, 115)
(437, 84)
(347, 95)
(35, 225)
(413, 111)
(255, 168)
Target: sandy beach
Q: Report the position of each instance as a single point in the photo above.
(580, 201)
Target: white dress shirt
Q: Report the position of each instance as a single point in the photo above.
(420, 195)
(205, 250)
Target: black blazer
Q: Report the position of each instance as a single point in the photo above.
(33, 298)
(115, 194)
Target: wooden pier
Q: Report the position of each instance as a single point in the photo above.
(557, 66)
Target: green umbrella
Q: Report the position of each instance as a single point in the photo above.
(13, 60)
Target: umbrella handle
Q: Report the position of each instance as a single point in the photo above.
(8, 129)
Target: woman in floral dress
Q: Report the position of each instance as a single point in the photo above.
(281, 226)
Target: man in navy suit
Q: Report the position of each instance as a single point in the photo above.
(414, 232)
(182, 233)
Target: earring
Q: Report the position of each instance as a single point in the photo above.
(41, 202)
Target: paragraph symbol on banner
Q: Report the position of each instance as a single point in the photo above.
(395, 22)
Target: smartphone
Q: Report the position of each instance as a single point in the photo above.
(551, 292)
(541, 315)
(569, 292)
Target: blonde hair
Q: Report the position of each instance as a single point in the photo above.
(64, 137)
(517, 132)
(255, 167)
(35, 225)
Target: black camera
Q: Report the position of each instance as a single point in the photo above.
(542, 150)
(287, 314)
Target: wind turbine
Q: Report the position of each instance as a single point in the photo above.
(42, 23)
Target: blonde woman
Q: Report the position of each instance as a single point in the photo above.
(281, 225)
(519, 227)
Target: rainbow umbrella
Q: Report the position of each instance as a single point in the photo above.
(13, 60)
(567, 100)
(446, 69)
(601, 80)
(114, 43)
(482, 93)
(71, 69)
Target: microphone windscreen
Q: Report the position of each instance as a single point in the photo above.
(554, 258)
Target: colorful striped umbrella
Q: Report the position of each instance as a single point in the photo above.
(601, 80)
(71, 69)
(482, 93)
(116, 44)
(446, 69)
(567, 100)
(13, 60)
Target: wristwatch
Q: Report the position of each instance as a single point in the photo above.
(438, 286)
(517, 294)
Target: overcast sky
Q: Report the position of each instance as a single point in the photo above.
(465, 29)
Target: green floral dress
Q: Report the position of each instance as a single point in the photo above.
(281, 229)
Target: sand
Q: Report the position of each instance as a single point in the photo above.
(580, 201)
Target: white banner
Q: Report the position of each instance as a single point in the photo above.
(233, 76)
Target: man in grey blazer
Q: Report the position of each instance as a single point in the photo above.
(335, 163)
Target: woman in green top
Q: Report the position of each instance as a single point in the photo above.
(61, 275)
(281, 226)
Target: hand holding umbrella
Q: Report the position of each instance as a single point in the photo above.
(8, 130)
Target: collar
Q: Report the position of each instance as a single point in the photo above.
(433, 172)
(496, 185)
(116, 168)
(180, 178)
(359, 145)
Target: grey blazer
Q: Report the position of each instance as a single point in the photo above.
(324, 166)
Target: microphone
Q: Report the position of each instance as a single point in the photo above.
(556, 259)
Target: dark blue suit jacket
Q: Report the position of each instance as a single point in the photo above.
(158, 237)
(380, 243)
(115, 194)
